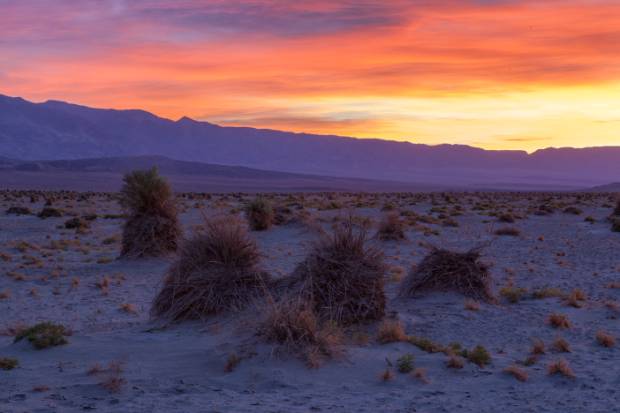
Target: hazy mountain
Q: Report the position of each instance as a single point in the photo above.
(58, 130)
(105, 174)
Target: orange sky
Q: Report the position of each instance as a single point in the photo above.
(514, 74)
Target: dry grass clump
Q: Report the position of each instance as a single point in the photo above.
(216, 271)
(391, 331)
(443, 270)
(18, 210)
(391, 228)
(560, 366)
(513, 294)
(508, 231)
(561, 345)
(559, 321)
(293, 325)
(472, 305)
(548, 292)
(576, 298)
(538, 347)
(605, 339)
(455, 362)
(343, 277)
(44, 335)
(517, 372)
(113, 380)
(616, 211)
(7, 363)
(260, 214)
(49, 212)
(152, 227)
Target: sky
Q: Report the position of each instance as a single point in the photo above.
(497, 74)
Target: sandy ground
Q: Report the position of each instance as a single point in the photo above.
(181, 368)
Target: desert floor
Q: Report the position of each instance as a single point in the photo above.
(50, 273)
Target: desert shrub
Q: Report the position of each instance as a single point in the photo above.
(152, 227)
(506, 218)
(616, 211)
(17, 210)
(217, 270)
(508, 231)
(573, 210)
(44, 335)
(260, 214)
(343, 277)
(443, 270)
(76, 223)
(49, 212)
(391, 228)
(293, 325)
(7, 363)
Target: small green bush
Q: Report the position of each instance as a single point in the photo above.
(479, 355)
(405, 363)
(44, 335)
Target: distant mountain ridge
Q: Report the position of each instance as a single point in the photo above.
(105, 174)
(58, 130)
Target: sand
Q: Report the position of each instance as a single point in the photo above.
(181, 368)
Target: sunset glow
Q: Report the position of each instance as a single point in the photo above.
(502, 74)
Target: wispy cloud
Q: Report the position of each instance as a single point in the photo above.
(226, 58)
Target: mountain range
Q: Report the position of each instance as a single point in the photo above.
(55, 130)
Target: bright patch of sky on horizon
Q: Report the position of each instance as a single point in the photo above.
(498, 74)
